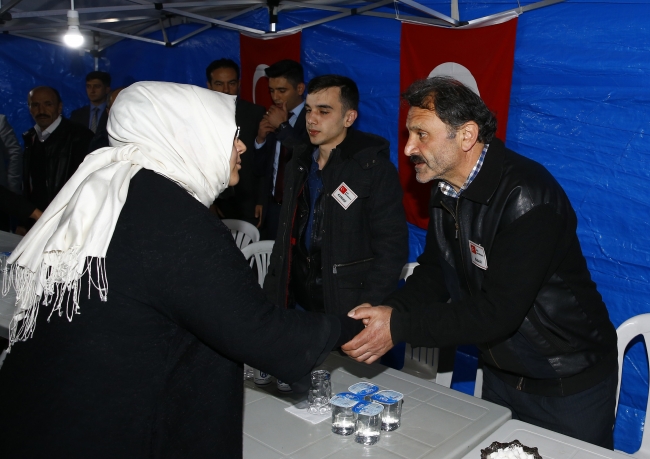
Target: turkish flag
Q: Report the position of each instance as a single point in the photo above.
(480, 57)
(255, 56)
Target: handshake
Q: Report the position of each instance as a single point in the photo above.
(375, 340)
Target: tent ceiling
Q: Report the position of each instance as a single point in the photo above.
(115, 20)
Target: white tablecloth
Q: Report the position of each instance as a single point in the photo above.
(550, 445)
(437, 422)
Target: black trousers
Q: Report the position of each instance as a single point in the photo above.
(587, 415)
(271, 220)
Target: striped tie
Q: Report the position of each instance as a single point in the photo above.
(93, 120)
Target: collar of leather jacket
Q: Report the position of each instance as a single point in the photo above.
(361, 146)
(486, 182)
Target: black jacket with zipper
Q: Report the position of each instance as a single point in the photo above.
(356, 253)
(534, 312)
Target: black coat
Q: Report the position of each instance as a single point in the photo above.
(534, 312)
(82, 116)
(239, 201)
(64, 150)
(363, 247)
(155, 371)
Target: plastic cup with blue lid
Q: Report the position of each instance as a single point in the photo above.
(364, 389)
(392, 401)
(343, 418)
(368, 424)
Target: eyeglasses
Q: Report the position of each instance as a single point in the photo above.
(236, 134)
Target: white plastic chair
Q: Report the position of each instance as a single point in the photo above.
(261, 253)
(419, 361)
(423, 362)
(243, 232)
(627, 331)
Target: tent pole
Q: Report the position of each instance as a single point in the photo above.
(454, 10)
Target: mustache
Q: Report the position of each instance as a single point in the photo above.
(417, 159)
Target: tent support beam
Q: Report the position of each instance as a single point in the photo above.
(428, 21)
(455, 14)
(123, 35)
(191, 34)
(8, 6)
(430, 12)
(336, 16)
(164, 32)
(217, 22)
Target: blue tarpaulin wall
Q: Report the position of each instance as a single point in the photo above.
(579, 105)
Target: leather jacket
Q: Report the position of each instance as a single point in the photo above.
(359, 252)
(529, 303)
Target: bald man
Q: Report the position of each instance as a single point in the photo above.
(54, 147)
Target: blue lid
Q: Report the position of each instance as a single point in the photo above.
(368, 408)
(345, 400)
(363, 388)
(388, 396)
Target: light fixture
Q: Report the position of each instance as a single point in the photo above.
(73, 37)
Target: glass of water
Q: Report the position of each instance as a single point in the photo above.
(320, 392)
(368, 425)
(343, 418)
(248, 372)
(392, 401)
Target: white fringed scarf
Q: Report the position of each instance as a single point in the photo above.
(182, 132)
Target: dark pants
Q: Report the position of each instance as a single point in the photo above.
(587, 415)
(271, 220)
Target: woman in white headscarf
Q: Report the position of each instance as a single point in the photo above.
(136, 307)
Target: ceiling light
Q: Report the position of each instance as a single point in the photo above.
(73, 37)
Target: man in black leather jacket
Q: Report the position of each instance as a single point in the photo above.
(342, 237)
(502, 245)
(54, 147)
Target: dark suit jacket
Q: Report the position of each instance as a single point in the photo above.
(63, 152)
(264, 156)
(239, 201)
(82, 116)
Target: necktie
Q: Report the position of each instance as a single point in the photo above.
(285, 155)
(93, 120)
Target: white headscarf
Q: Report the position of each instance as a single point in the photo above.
(182, 132)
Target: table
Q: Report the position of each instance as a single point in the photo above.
(437, 422)
(8, 242)
(550, 445)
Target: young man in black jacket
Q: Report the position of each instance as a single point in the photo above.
(502, 245)
(342, 237)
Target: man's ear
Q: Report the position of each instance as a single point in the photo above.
(350, 118)
(468, 135)
(300, 88)
(208, 85)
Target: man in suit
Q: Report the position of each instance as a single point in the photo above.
(283, 123)
(240, 201)
(95, 115)
(101, 136)
(54, 148)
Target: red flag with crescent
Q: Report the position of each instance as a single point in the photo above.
(481, 58)
(255, 56)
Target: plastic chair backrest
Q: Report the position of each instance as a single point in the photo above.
(423, 362)
(243, 232)
(419, 361)
(627, 331)
(261, 253)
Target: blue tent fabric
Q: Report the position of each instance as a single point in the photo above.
(578, 105)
